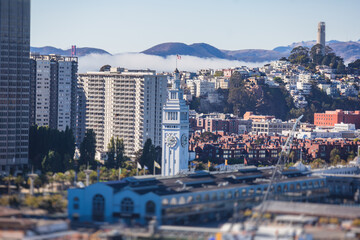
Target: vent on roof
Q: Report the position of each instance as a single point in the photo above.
(231, 176)
(223, 184)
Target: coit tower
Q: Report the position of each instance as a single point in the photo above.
(321, 36)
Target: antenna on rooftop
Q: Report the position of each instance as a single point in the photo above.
(73, 50)
(178, 57)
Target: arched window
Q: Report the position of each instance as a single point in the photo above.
(98, 208)
(285, 188)
(198, 198)
(304, 186)
(182, 200)
(229, 195)
(165, 202)
(291, 187)
(237, 194)
(214, 197)
(173, 201)
(150, 207)
(206, 197)
(251, 191)
(298, 187)
(221, 196)
(127, 205)
(278, 189)
(243, 192)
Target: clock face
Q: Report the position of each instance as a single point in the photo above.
(171, 140)
(184, 140)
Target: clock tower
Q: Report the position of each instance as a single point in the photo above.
(175, 131)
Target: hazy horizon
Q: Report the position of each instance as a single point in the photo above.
(119, 26)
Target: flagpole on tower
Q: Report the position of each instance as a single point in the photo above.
(178, 57)
(137, 169)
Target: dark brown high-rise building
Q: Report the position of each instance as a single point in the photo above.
(14, 84)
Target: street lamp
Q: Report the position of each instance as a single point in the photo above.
(76, 161)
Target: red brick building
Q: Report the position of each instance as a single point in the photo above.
(330, 118)
(257, 118)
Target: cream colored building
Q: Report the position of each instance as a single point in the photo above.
(123, 103)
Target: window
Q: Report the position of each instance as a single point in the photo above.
(206, 198)
(229, 195)
(127, 205)
(98, 209)
(172, 116)
(150, 207)
(76, 203)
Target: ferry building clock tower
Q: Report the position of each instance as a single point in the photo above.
(175, 131)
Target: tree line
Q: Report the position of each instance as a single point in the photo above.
(51, 150)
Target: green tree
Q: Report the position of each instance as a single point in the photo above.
(42, 140)
(52, 162)
(240, 98)
(317, 163)
(354, 67)
(88, 149)
(149, 154)
(115, 153)
(335, 156)
(340, 67)
(316, 54)
(19, 180)
(299, 55)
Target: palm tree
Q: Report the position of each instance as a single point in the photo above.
(60, 177)
(8, 180)
(19, 180)
(50, 177)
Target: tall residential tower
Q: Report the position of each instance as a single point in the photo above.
(321, 35)
(14, 84)
(53, 91)
(121, 103)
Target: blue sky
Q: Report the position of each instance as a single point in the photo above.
(135, 25)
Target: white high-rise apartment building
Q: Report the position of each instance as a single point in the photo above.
(53, 91)
(122, 103)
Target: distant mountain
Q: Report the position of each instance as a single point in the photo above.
(79, 51)
(202, 50)
(255, 55)
(349, 51)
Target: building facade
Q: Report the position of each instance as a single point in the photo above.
(175, 131)
(121, 103)
(271, 127)
(14, 84)
(188, 199)
(330, 118)
(53, 89)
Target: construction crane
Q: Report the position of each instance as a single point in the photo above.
(285, 150)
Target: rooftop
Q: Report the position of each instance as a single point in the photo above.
(311, 209)
(198, 181)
